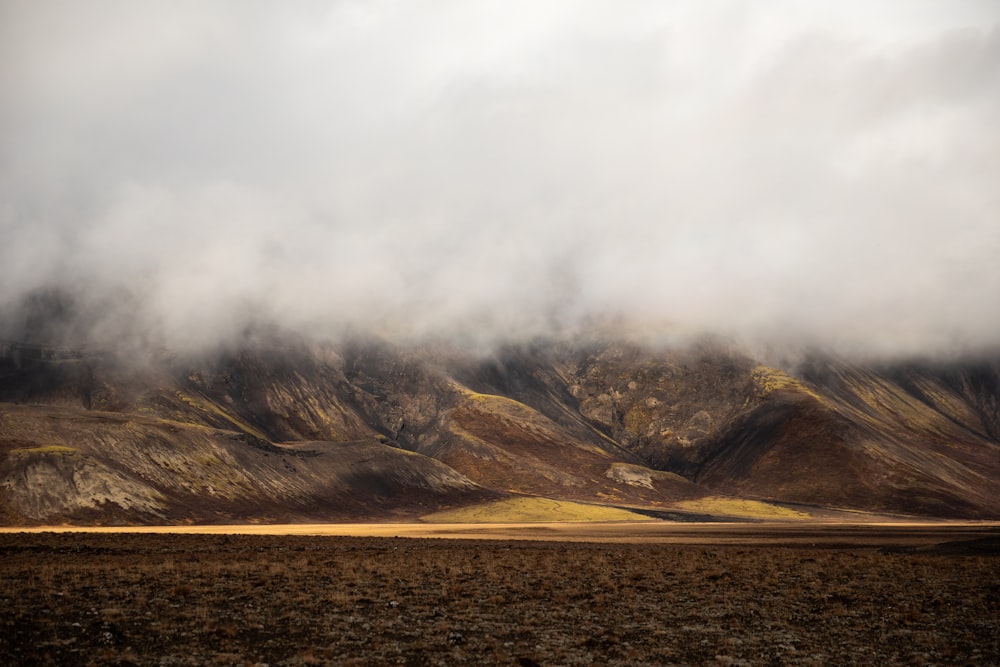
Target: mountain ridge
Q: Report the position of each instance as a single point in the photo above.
(368, 429)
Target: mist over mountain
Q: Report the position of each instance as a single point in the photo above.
(814, 176)
(375, 260)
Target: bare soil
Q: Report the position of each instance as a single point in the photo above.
(193, 599)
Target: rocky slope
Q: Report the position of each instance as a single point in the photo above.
(287, 430)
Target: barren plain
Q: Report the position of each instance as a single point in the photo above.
(566, 594)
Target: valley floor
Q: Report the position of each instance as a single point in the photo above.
(878, 532)
(888, 595)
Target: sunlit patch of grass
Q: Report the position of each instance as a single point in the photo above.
(507, 411)
(767, 380)
(736, 507)
(57, 450)
(532, 510)
(208, 407)
(494, 403)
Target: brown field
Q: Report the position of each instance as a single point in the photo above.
(626, 594)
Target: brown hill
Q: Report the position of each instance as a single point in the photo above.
(286, 430)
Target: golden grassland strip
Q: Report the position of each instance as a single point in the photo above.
(738, 507)
(44, 449)
(531, 509)
(652, 532)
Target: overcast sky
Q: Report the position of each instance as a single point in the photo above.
(816, 172)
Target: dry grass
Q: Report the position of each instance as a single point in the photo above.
(222, 599)
(533, 510)
(45, 449)
(738, 507)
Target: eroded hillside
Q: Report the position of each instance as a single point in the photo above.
(288, 430)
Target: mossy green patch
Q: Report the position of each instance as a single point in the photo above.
(492, 401)
(738, 507)
(57, 450)
(204, 405)
(767, 380)
(51, 450)
(636, 420)
(531, 509)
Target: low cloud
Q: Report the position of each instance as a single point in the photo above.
(494, 170)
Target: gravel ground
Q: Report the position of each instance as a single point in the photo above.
(149, 599)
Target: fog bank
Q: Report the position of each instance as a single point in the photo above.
(785, 171)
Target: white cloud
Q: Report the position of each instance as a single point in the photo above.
(816, 170)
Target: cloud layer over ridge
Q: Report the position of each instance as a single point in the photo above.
(787, 170)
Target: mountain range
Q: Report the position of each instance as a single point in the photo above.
(282, 429)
